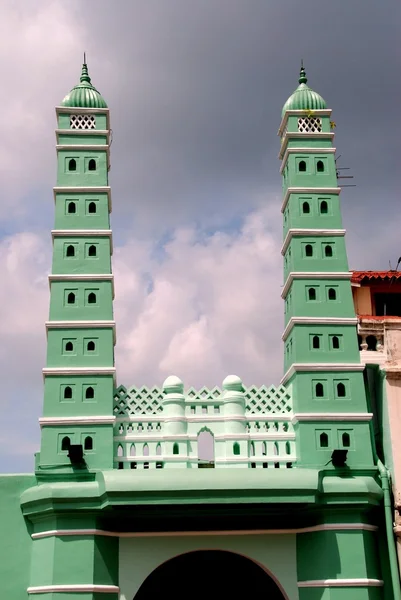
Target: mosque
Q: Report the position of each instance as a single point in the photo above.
(300, 498)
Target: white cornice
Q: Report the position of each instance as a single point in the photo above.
(84, 233)
(313, 275)
(86, 420)
(310, 232)
(72, 371)
(82, 132)
(321, 367)
(332, 417)
(74, 588)
(317, 321)
(76, 110)
(91, 147)
(84, 277)
(357, 582)
(84, 190)
(82, 325)
(133, 534)
(312, 150)
(308, 190)
(323, 112)
(319, 135)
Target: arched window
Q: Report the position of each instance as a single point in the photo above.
(67, 392)
(120, 451)
(92, 165)
(89, 393)
(332, 294)
(315, 342)
(308, 250)
(92, 208)
(312, 293)
(328, 251)
(320, 166)
(340, 390)
(236, 449)
(71, 298)
(90, 346)
(324, 209)
(72, 208)
(176, 449)
(319, 391)
(92, 250)
(69, 347)
(275, 449)
(145, 450)
(264, 449)
(88, 443)
(335, 342)
(72, 164)
(324, 440)
(132, 451)
(70, 251)
(65, 443)
(287, 448)
(346, 440)
(302, 166)
(92, 298)
(306, 208)
(371, 341)
(252, 449)
(159, 450)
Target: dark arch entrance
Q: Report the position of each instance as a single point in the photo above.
(208, 575)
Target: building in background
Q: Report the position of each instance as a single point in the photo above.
(295, 501)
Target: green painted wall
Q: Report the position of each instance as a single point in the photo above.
(85, 215)
(84, 306)
(80, 347)
(57, 405)
(330, 298)
(309, 211)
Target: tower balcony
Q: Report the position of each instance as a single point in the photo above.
(379, 339)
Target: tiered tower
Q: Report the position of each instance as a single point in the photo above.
(79, 374)
(321, 356)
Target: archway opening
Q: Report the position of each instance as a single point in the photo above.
(205, 449)
(211, 575)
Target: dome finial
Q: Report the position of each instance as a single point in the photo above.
(85, 74)
(302, 74)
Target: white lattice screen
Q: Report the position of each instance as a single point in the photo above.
(309, 125)
(82, 122)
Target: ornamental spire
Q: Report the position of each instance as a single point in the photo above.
(85, 75)
(302, 74)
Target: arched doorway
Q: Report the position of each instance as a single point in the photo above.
(209, 575)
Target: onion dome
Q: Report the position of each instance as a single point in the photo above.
(304, 98)
(84, 95)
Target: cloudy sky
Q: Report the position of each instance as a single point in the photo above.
(195, 89)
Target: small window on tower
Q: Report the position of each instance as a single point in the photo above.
(312, 293)
(346, 440)
(302, 166)
(69, 347)
(306, 208)
(324, 209)
(71, 208)
(319, 390)
(308, 250)
(332, 294)
(72, 164)
(65, 443)
(328, 251)
(92, 251)
(82, 121)
(340, 390)
(71, 298)
(92, 208)
(320, 166)
(92, 165)
(324, 440)
(89, 393)
(70, 252)
(91, 347)
(236, 449)
(176, 449)
(92, 298)
(315, 342)
(67, 393)
(335, 342)
(88, 444)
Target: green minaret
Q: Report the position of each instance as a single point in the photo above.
(321, 355)
(79, 373)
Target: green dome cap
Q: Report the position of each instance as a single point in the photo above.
(84, 95)
(304, 98)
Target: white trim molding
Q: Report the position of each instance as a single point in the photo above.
(91, 147)
(317, 321)
(87, 420)
(131, 534)
(74, 587)
(310, 232)
(84, 277)
(321, 367)
(83, 190)
(308, 190)
(321, 112)
(289, 151)
(84, 233)
(317, 135)
(313, 275)
(357, 582)
(71, 371)
(81, 325)
(348, 417)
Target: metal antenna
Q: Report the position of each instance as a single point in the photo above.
(338, 169)
(84, 58)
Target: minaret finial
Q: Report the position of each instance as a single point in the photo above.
(302, 74)
(85, 74)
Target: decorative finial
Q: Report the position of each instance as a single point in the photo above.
(84, 58)
(302, 74)
(85, 75)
